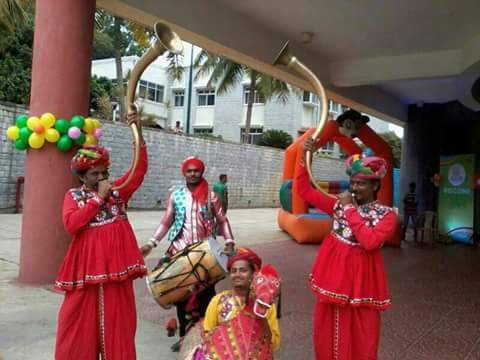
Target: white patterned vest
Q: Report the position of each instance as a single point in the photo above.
(180, 205)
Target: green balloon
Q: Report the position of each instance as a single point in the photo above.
(21, 121)
(80, 140)
(78, 121)
(64, 143)
(24, 134)
(62, 126)
(20, 144)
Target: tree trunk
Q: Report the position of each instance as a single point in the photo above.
(117, 42)
(251, 99)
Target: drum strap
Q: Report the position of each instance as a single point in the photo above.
(211, 215)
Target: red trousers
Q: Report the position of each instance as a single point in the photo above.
(345, 332)
(98, 319)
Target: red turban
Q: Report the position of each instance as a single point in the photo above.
(366, 167)
(192, 160)
(247, 254)
(200, 193)
(88, 157)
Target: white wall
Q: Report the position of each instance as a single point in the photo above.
(204, 116)
(258, 115)
(308, 115)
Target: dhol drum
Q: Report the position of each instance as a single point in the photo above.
(197, 267)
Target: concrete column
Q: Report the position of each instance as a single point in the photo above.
(423, 136)
(62, 51)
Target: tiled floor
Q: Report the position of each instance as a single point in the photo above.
(435, 313)
(435, 292)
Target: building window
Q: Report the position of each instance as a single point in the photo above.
(203, 131)
(329, 147)
(309, 97)
(259, 97)
(254, 136)
(151, 91)
(334, 107)
(206, 97)
(179, 97)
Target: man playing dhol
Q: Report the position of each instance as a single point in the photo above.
(348, 275)
(189, 220)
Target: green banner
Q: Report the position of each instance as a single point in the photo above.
(456, 197)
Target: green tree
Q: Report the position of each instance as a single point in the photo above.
(276, 138)
(224, 74)
(120, 38)
(102, 46)
(100, 87)
(396, 144)
(12, 15)
(16, 62)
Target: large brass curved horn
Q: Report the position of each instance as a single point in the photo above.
(166, 40)
(287, 59)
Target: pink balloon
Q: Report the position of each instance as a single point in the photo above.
(74, 132)
(98, 133)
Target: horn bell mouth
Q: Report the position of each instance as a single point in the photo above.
(169, 39)
(284, 57)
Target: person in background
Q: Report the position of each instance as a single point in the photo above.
(410, 210)
(220, 188)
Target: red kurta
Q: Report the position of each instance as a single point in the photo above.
(98, 314)
(348, 275)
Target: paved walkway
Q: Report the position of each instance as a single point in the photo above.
(436, 295)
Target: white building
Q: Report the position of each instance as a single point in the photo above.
(223, 115)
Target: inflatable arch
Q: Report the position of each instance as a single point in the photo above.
(310, 226)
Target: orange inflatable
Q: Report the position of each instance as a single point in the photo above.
(296, 220)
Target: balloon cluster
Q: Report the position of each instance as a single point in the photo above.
(33, 131)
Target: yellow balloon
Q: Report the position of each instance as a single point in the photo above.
(88, 127)
(13, 133)
(52, 135)
(96, 124)
(32, 122)
(90, 139)
(36, 141)
(47, 120)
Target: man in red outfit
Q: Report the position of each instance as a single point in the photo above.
(348, 275)
(98, 314)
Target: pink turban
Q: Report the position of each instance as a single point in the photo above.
(367, 167)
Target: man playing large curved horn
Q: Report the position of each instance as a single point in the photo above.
(348, 275)
(98, 314)
(188, 220)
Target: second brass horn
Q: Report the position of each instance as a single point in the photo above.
(167, 40)
(287, 59)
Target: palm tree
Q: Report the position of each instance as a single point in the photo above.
(224, 74)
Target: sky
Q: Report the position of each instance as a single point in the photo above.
(398, 130)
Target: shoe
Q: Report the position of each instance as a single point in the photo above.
(176, 347)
